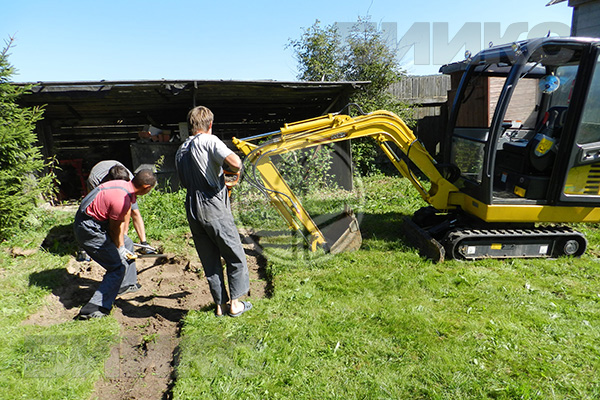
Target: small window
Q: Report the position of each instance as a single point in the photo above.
(468, 156)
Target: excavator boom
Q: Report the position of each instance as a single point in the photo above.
(384, 127)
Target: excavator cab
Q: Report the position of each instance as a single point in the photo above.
(525, 124)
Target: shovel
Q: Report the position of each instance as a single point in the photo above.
(148, 248)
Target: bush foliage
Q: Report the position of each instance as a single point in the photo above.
(307, 171)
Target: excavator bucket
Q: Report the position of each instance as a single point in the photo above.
(341, 233)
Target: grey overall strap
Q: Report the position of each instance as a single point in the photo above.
(192, 180)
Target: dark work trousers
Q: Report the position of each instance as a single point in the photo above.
(93, 237)
(215, 236)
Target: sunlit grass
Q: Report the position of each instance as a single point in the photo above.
(62, 361)
(383, 325)
(383, 322)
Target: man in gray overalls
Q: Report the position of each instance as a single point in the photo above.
(199, 163)
(100, 226)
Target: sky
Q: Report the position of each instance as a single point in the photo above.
(130, 40)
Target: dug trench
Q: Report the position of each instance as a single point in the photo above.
(142, 364)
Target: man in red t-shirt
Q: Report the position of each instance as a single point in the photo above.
(105, 171)
(100, 226)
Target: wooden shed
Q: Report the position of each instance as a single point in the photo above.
(86, 122)
(586, 17)
(482, 101)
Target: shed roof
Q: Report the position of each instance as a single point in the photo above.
(86, 122)
(167, 101)
(572, 3)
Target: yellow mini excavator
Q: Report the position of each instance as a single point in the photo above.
(519, 160)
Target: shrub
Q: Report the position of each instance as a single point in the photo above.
(365, 55)
(306, 171)
(22, 183)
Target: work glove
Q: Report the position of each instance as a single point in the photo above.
(126, 254)
(146, 250)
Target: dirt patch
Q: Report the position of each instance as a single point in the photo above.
(141, 364)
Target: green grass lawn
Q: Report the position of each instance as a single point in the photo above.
(62, 361)
(383, 323)
(378, 323)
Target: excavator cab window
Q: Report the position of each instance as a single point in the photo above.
(471, 135)
(589, 125)
(510, 117)
(525, 159)
(472, 126)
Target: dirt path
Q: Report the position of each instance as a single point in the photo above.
(141, 365)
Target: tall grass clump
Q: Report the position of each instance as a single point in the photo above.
(163, 211)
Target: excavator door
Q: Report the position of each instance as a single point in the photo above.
(581, 167)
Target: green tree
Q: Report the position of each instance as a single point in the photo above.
(319, 52)
(364, 56)
(22, 182)
(306, 170)
(368, 57)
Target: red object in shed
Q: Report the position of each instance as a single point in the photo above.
(75, 165)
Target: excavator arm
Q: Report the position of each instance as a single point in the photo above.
(513, 185)
(382, 126)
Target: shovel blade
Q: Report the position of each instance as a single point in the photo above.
(428, 246)
(151, 255)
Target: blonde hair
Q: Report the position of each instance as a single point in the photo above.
(200, 119)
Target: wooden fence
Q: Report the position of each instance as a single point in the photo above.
(430, 94)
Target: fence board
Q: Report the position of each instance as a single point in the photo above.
(422, 89)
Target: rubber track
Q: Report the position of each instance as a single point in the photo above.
(454, 238)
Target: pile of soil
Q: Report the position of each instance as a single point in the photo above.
(141, 365)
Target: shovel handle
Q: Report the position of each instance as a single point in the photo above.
(144, 246)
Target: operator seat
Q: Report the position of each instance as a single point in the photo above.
(538, 153)
(524, 166)
(554, 121)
